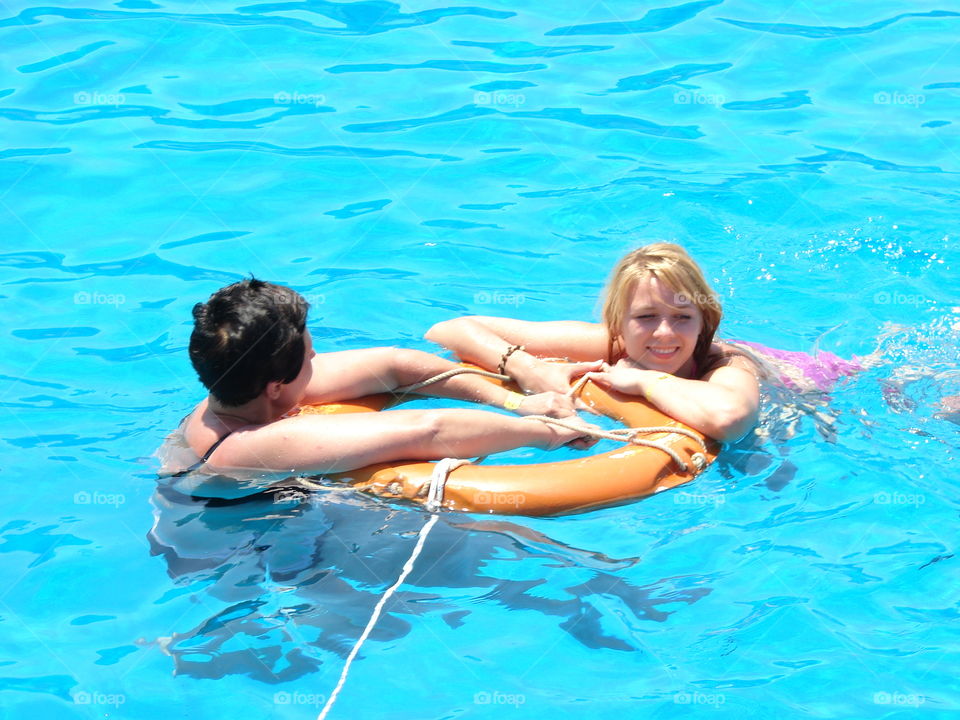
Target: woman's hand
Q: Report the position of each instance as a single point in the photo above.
(579, 437)
(538, 376)
(626, 377)
(550, 403)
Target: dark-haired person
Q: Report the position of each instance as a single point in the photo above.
(252, 351)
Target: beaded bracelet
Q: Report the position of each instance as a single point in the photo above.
(502, 370)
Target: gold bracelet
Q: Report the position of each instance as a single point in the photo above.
(512, 401)
(646, 390)
(502, 370)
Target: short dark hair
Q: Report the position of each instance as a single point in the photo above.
(246, 335)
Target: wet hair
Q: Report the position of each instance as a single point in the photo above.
(672, 266)
(247, 335)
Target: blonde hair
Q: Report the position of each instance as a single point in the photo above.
(671, 265)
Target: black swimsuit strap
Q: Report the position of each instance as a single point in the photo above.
(202, 460)
(208, 453)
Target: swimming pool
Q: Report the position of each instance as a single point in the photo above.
(400, 165)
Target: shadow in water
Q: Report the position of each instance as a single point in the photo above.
(293, 578)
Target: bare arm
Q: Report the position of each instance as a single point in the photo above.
(484, 340)
(723, 405)
(339, 443)
(351, 374)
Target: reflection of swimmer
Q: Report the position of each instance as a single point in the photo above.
(252, 351)
(287, 586)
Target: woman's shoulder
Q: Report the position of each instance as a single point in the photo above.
(724, 354)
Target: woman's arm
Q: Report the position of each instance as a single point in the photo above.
(723, 405)
(339, 443)
(485, 340)
(351, 374)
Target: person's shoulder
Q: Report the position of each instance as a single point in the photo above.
(723, 354)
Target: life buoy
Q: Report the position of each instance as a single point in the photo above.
(628, 473)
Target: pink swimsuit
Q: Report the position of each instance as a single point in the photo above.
(822, 369)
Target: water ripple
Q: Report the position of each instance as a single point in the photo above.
(55, 332)
(836, 155)
(654, 21)
(824, 31)
(131, 353)
(369, 18)
(39, 541)
(47, 402)
(149, 264)
(517, 49)
(319, 151)
(205, 238)
(787, 100)
(32, 152)
(459, 224)
(575, 116)
(159, 115)
(454, 65)
(78, 115)
(56, 685)
(359, 208)
(355, 22)
(65, 58)
(668, 76)
(502, 85)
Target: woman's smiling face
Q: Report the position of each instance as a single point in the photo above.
(660, 328)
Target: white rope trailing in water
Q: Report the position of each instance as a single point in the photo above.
(438, 480)
(408, 566)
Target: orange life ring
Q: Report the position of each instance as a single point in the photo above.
(627, 473)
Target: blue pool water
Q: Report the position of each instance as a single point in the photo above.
(404, 164)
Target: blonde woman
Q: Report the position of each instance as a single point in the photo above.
(656, 340)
